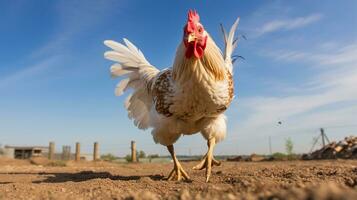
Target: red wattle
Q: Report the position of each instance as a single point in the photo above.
(198, 51)
(189, 50)
(194, 49)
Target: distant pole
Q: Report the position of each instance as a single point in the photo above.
(133, 151)
(270, 149)
(323, 137)
(51, 151)
(78, 151)
(96, 151)
(63, 156)
(66, 152)
(314, 143)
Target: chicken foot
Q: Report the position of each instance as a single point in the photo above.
(177, 173)
(208, 160)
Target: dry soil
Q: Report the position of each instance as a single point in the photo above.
(335, 179)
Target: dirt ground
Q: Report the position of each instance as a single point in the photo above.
(336, 179)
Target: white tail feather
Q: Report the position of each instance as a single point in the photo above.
(117, 70)
(131, 63)
(230, 44)
(121, 86)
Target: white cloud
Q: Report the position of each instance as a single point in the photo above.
(28, 72)
(288, 24)
(328, 99)
(337, 57)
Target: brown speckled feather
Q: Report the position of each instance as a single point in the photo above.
(162, 92)
(230, 86)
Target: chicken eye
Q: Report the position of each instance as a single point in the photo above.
(200, 29)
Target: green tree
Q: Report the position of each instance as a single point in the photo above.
(142, 154)
(289, 146)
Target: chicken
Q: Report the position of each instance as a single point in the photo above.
(188, 98)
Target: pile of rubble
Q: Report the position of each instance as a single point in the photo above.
(346, 149)
(252, 158)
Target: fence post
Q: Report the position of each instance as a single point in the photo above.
(133, 151)
(78, 151)
(51, 151)
(63, 155)
(66, 152)
(96, 151)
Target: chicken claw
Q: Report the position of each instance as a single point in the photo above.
(202, 163)
(208, 160)
(178, 173)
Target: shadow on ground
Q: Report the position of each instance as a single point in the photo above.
(88, 175)
(84, 176)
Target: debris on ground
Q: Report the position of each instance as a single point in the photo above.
(345, 149)
(252, 158)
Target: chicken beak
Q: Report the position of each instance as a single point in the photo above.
(191, 37)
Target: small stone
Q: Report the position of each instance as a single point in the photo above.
(231, 196)
(185, 195)
(350, 182)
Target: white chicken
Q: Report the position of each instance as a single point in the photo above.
(188, 98)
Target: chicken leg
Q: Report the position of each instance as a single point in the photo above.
(208, 160)
(177, 173)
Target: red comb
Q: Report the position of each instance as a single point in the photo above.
(193, 16)
(192, 19)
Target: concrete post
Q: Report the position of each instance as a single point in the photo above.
(78, 152)
(66, 152)
(133, 151)
(96, 151)
(51, 151)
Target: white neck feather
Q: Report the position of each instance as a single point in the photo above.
(210, 66)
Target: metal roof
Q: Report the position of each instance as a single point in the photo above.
(26, 147)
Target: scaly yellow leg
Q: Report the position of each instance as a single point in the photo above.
(208, 160)
(177, 173)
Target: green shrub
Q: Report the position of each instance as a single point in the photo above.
(153, 155)
(128, 158)
(108, 157)
(283, 156)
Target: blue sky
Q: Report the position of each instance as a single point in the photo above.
(299, 68)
